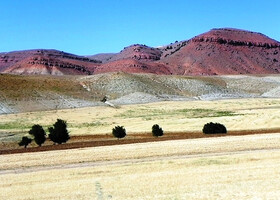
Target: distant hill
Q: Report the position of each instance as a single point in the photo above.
(42, 61)
(226, 51)
(103, 57)
(217, 52)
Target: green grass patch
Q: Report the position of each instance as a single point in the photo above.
(88, 125)
(149, 114)
(15, 125)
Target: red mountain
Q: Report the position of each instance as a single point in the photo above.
(219, 51)
(45, 62)
(226, 51)
(131, 65)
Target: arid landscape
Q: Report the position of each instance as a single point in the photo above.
(226, 76)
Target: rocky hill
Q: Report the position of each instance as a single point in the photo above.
(226, 51)
(42, 61)
(217, 52)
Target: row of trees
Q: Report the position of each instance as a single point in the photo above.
(58, 133)
(209, 128)
(120, 132)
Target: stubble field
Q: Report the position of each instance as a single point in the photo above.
(231, 167)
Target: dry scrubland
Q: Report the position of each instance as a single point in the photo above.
(234, 167)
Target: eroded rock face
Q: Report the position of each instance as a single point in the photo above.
(138, 52)
(217, 52)
(226, 51)
(237, 37)
(45, 62)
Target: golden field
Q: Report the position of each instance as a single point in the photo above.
(177, 116)
(231, 167)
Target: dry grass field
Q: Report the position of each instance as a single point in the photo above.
(233, 167)
(174, 116)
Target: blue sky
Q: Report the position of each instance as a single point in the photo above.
(87, 27)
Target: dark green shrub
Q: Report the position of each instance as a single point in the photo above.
(119, 132)
(59, 133)
(39, 134)
(157, 131)
(25, 141)
(213, 128)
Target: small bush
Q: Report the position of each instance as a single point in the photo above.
(39, 134)
(25, 141)
(119, 132)
(213, 128)
(157, 131)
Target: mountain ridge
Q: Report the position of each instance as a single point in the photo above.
(217, 52)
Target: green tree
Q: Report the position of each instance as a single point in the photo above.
(25, 141)
(213, 128)
(59, 133)
(157, 131)
(38, 133)
(119, 132)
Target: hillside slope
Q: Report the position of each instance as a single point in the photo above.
(34, 93)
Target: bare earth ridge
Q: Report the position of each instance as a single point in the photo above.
(217, 52)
